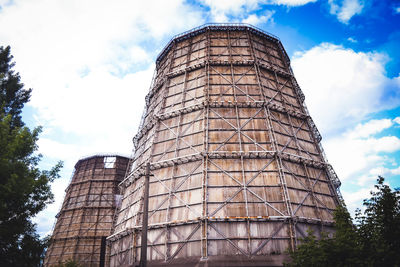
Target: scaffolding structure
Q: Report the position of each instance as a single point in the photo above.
(87, 214)
(238, 174)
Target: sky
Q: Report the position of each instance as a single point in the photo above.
(90, 64)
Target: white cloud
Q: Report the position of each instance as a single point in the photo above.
(292, 2)
(395, 171)
(221, 10)
(253, 19)
(225, 10)
(82, 34)
(352, 40)
(342, 87)
(343, 90)
(352, 154)
(370, 128)
(96, 103)
(386, 172)
(345, 9)
(82, 59)
(45, 219)
(359, 158)
(354, 198)
(54, 149)
(139, 55)
(3, 3)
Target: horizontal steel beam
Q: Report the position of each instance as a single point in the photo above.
(214, 104)
(251, 219)
(138, 172)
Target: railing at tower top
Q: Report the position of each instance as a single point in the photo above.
(218, 26)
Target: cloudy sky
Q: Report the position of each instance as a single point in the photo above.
(90, 65)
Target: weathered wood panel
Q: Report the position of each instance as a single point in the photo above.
(87, 213)
(238, 173)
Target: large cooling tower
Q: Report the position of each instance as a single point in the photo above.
(87, 214)
(237, 171)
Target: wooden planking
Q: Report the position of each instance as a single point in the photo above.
(87, 212)
(248, 205)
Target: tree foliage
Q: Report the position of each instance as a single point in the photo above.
(69, 263)
(374, 240)
(24, 188)
(379, 226)
(13, 96)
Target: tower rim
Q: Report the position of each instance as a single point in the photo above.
(101, 155)
(220, 26)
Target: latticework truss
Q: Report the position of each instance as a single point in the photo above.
(238, 173)
(87, 213)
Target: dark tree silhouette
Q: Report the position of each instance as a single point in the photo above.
(24, 188)
(374, 239)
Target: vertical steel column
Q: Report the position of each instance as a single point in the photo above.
(204, 194)
(103, 251)
(143, 250)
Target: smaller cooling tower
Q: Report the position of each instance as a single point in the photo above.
(87, 214)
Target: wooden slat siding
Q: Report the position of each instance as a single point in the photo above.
(87, 212)
(238, 172)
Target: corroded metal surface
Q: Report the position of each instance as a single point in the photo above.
(238, 174)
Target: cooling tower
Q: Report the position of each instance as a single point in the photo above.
(237, 171)
(87, 214)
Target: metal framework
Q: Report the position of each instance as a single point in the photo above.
(238, 173)
(87, 214)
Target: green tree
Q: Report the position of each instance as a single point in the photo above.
(13, 96)
(68, 263)
(374, 240)
(379, 226)
(340, 249)
(24, 188)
